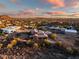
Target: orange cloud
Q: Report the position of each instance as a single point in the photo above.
(29, 13)
(56, 13)
(71, 3)
(57, 3)
(76, 14)
(25, 13)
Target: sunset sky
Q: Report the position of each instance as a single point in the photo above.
(39, 7)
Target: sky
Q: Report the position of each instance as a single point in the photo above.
(39, 7)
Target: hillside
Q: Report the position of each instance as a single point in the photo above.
(5, 17)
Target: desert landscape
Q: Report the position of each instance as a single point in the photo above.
(30, 38)
(39, 29)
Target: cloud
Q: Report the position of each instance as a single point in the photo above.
(35, 13)
(38, 12)
(30, 13)
(76, 14)
(25, 13)
(57, 3)
(64, 3)
(2, 6)
(72, 3)
(56, 13)
(13, 1)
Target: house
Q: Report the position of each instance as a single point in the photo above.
(55, 29)
(10, 29)
(33, 31)
(71, 31)
(68, 30)
(38, 33)
(41, 34)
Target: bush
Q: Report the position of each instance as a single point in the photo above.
(53, 36)
(17, 39)
(29, 43)
(9, 46)
(75, 51)
(72, 51)
(58, 43)
(69, 50)
(14, 42)
(46, 42)
(36, 45)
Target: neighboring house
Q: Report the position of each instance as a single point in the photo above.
(10, 29)
(52, 27)
(68, 30)
(42, 35)
(71, 31)
(48, 32)
(38, 33)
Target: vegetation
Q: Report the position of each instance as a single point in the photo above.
(9, 46)
(14, 42)
(70, 50)
(30, 44)
(53, 36)
(36, 45)
(47, 43)
(59, 43)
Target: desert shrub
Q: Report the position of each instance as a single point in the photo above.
(58, 43)
(17, 39)
(14, 42)
(75, 51)
(72, 51)
(9, 46)
(46, 42)
(36, 45)
(69, 50)
(53, 36)
(29, 42)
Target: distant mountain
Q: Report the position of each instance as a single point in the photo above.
(3, 17)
